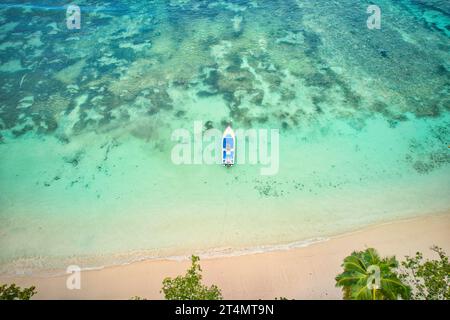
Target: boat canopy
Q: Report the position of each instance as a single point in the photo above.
(228, 157)
(228, 141)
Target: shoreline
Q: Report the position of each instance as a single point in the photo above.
(211, 253)
(292, 272)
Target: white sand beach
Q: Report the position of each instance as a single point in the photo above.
(301, 273)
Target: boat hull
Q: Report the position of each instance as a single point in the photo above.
(228, 147)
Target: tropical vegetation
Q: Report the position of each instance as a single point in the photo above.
(13, 292)
(430, 279)
(367, 276)
(189, 286)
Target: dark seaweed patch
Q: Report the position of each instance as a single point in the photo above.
(212, 79)
(82, 124)
(287, 95)
(320, 80)
(209, 125)
(262, 119)
(107, 118)
(317, 100)
(9, 116)
(204, 93)
(313, 41)
(125, 53)
(384, 53)
(442, 70)
(207, 43)
(427, 110)
(240, 115)
(422, 167)
(180, 113)
(258, 98)
(234, 59)
(152, 111)
(441, 133)
(160, 99)
(20, 132)
(274, 81)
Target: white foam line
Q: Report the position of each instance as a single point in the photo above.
(205, 255)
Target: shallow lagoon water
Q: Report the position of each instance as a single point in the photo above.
(86, 118)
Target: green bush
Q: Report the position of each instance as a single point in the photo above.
(13, 292)
(430, 279)
(189, 286)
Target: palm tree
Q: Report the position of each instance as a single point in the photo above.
(368, 277)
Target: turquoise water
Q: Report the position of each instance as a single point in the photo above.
(86, 118)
